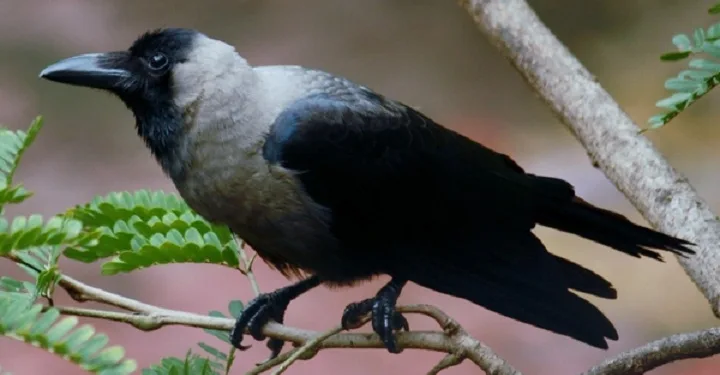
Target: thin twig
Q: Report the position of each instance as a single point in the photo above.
(449, 325)
(82, 292)
(270, 363)
(465, 345)
(308, 349)
(247, 266)
(148, 321)
(450, 360)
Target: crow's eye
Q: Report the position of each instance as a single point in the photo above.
(158, 62)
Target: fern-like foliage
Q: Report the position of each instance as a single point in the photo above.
(25, 233)
(35, 244)
(22, 293)
(80, 345)
(191, 365)
(222, 360)
(691, 84)
(136, 230)
(149, 228)
(12, 146)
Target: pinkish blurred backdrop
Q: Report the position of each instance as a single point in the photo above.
(426, 53)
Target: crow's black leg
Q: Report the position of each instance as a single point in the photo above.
(385, 320)
(266, 307)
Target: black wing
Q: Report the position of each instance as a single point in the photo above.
(388, 172)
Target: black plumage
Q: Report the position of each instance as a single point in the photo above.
(333, 182)
(423, 203)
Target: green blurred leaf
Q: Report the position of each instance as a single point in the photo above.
(213, 352)
(223, 336)
(699, 37)
(690, 85)
(174, 247)
(676, 101)
(674, 56)
(105, 211)
(713, 32)
(682, 42)
(46, 281)
(145, 228)
(61, 337)
(682, 85)
(13, 144)
(235, 307)
(191, 365)
(29, 233)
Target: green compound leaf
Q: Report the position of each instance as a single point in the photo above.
(144, 229)
(174, 247)
(191, 365)
(62, 337)
(25, 233)
(703, 75)
(13, 144)
(121, 206)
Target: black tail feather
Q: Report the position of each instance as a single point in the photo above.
(584, 280)
(603, 226)
(517, 277)
(548, 306)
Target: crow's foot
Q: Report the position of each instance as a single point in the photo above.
(385, 320)
(264, 308)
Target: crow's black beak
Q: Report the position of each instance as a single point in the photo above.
(96, 70)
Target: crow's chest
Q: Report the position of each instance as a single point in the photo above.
(265, 205)
(229, 190)
(265, 208)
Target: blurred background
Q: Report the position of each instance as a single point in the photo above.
(426, 53)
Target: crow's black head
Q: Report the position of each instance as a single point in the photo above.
(141, 75)
(162, 77)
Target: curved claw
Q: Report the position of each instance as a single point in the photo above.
(385, 320)
(400, 323)
(267, 307)
(249, 314)
(354, 312)
(253, 314)
(257, 322)
(275, 346)
(256, 315)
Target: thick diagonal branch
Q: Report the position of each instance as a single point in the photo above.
(613, 142)
(638, 361)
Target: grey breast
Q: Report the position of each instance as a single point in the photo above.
(229, 182)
